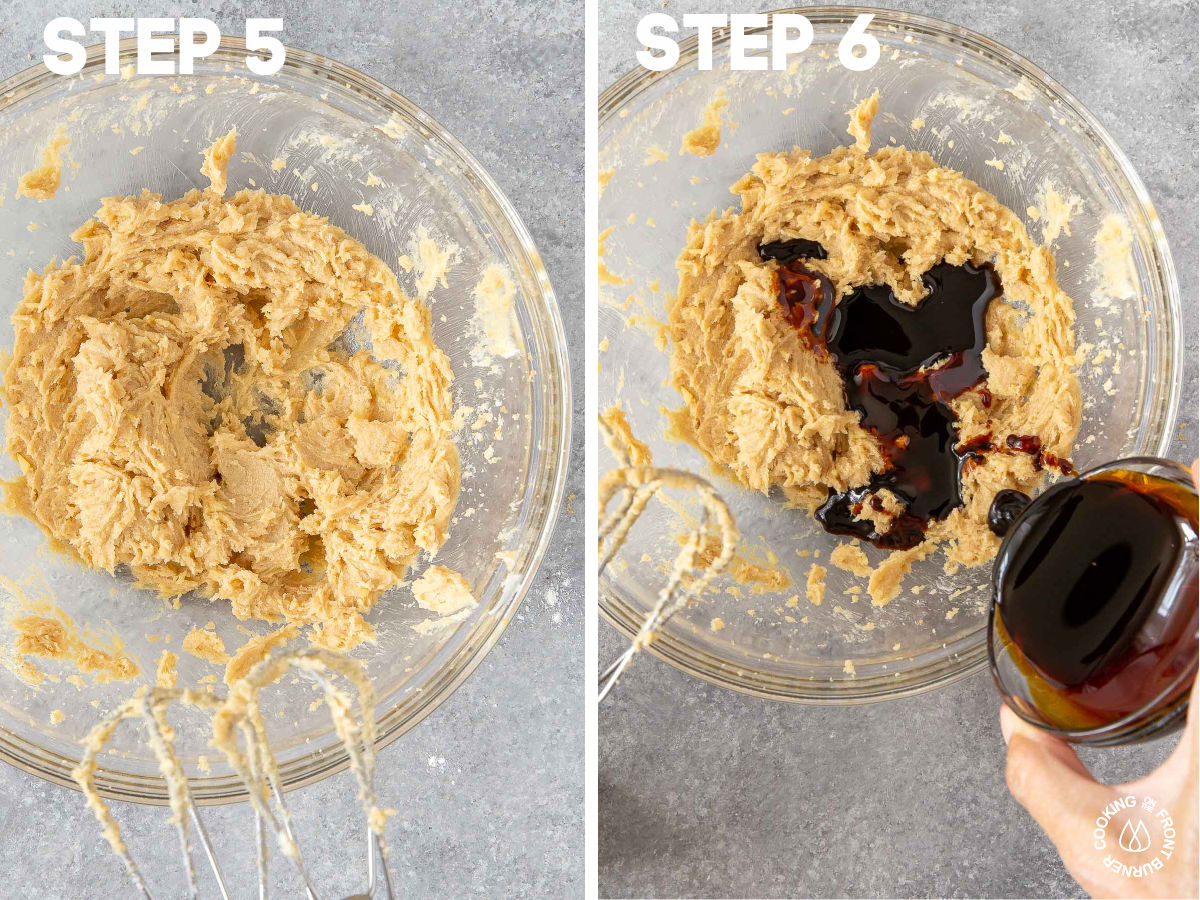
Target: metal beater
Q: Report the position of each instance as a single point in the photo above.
(634, 487)
(255, 766)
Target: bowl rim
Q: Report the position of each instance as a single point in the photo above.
(544, 492)
(1164, 408)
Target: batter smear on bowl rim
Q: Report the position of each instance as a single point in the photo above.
(878, 338)
(193, 402)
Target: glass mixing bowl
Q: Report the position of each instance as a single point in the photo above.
(969, 91)
(334, 127)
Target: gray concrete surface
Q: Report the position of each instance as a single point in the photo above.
(489, 788)
(704, 792)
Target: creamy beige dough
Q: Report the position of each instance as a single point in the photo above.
(55, 636)
(42, 183)
(772, 413)
(443, 591)
(704, 139)
(185, 402)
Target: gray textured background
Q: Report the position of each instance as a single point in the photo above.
(490, 787)
(704, 792)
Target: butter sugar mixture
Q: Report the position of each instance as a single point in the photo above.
(192, 402)
(769, 404)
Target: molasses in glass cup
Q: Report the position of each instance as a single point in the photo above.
(1093, 628)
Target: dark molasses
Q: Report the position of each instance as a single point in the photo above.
(1006, 507)
(791, 250)
(1032, 444)
(917, 434)
(1081, 594)
(944, 334)
(1024, 443)
(900, 364)
(807, 299)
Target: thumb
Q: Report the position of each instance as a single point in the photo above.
(1046, 777)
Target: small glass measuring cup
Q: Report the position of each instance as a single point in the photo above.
(1069, 658)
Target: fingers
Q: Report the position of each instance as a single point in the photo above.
(1184, 761)
(1046, 777)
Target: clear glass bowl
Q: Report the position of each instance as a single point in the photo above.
(334, 127)
(1028, 693)
(968, 90)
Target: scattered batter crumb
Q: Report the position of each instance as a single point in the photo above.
(605, 176)
(432, 261)
(1057, 211)
(255, 651)
(42, 183)
(605, 276)
(495, 295)
(887, 577)
(394, 127)
(1023, 89)
(278, 164)
(848, 667)
(443, 591)
(654, 154)
(704, 140)
(165, 675)
(861, 117)
(815, 584)
(57, 717)
(951, 613)
(917, 124)
(365, 208)
(216, 161)
(997, 164)
(761, 577)
(1114, 257)
(850, 558)
(608, 277)
(716, 624)
(206, 645)
(55, 636)
(619, 437)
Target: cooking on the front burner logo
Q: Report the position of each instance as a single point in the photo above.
(1142, 828)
